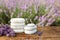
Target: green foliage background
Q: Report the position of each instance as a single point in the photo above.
(29, 15)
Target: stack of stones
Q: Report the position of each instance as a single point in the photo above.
(30, 29)
(18, 24)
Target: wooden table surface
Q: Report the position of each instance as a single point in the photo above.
(49, 33)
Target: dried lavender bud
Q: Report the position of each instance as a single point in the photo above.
(38, 33)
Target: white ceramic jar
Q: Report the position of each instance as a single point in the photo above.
(18, 24)
(30, 29)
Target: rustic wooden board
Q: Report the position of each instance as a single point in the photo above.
(49, 33)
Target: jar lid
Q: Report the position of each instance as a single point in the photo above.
(17, 20)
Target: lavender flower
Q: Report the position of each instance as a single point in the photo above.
(24, 7)
(50, 1)
(43, 19)
(9, 3)
(36, 18)
(50, 21)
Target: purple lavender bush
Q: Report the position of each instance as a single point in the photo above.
(35, 11)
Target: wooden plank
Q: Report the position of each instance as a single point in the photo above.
(49, 33)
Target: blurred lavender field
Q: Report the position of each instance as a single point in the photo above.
(41, 12)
